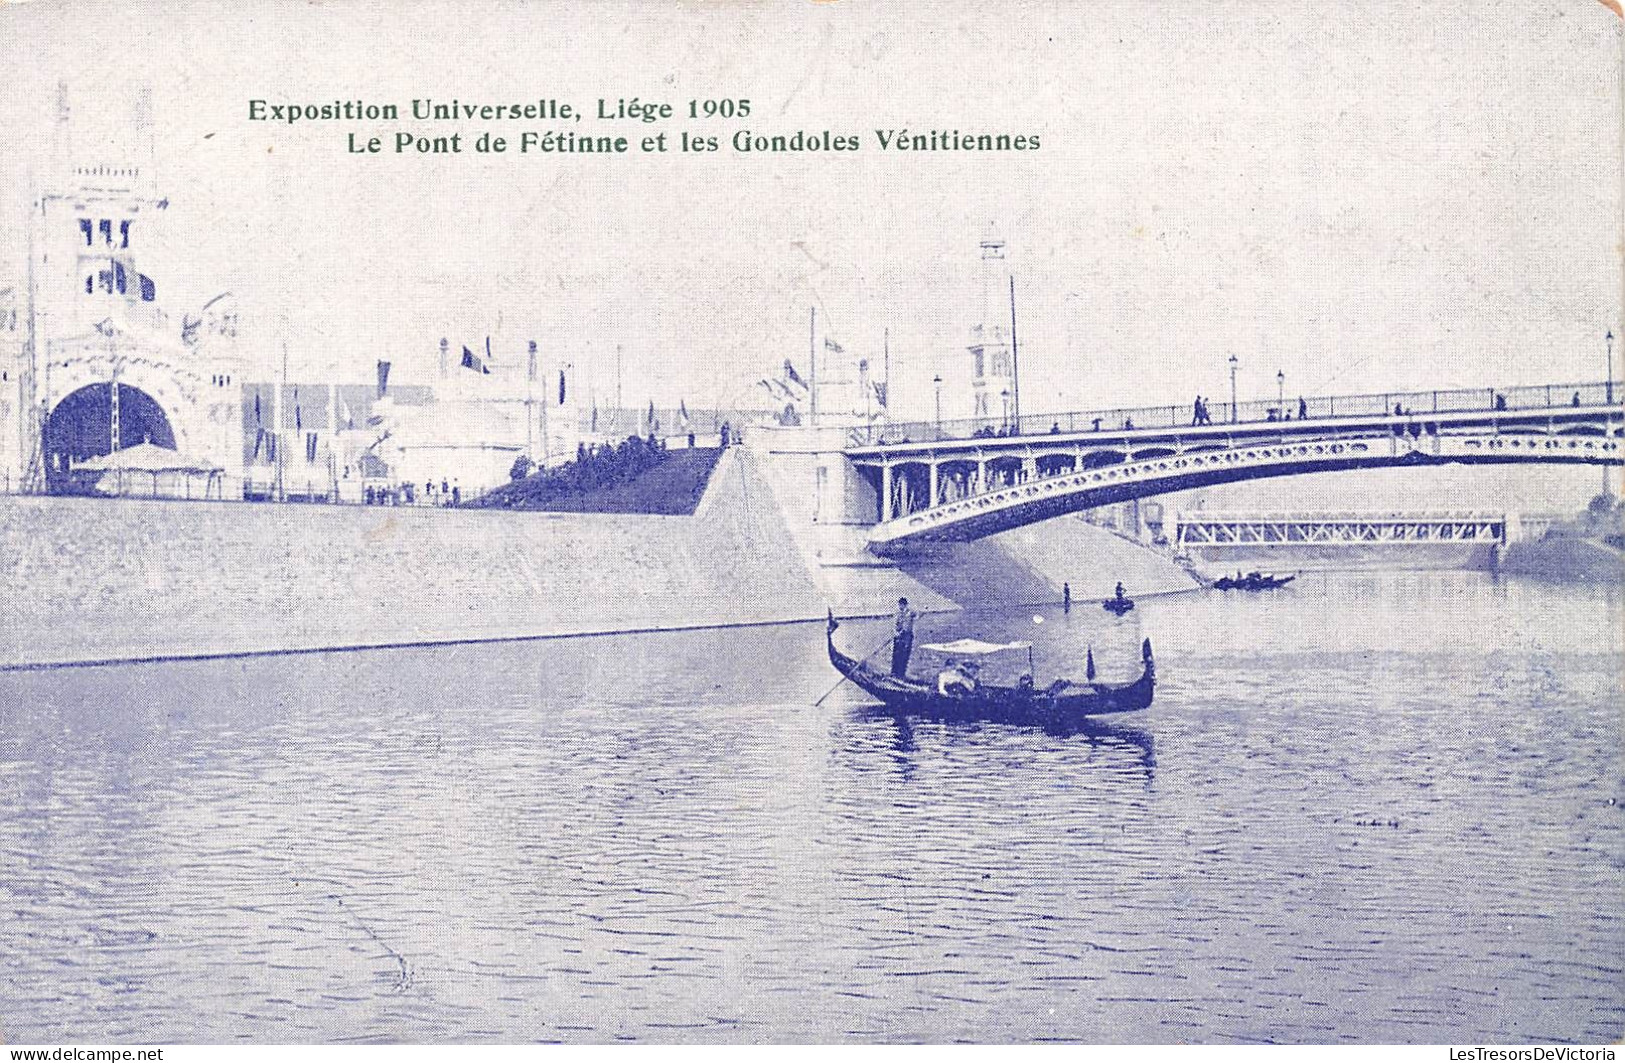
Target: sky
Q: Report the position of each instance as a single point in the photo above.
(1361, 197)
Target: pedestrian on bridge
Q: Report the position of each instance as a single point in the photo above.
(1303, 408)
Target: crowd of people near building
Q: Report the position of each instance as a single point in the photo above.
(596, 466)
(444, 493)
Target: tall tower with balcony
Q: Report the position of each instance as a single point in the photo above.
(992, 369)
(107, 367)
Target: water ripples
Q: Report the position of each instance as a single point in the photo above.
(1338, 823)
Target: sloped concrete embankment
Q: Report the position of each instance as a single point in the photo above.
(89, 580)
(1565, 559)
(116, 579)
(1024, 566)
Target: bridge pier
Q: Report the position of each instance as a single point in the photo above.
(934, 492)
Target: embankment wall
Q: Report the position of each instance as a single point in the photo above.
(87, 580)
(1566, 559)
(94, 579)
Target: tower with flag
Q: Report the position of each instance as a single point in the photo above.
(992, 361)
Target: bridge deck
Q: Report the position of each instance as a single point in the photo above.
(959, 488)
(1163, 423)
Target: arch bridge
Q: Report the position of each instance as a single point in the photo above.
(963, 480)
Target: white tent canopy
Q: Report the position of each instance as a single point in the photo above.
(146, 457)
(974, 646)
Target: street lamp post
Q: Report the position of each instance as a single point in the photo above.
(1610, 381)
(937, 383)
(1280, 393)
(1235, 363)
(1005, 395)
(1609, 388)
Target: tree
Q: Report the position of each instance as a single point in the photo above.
(522, 466)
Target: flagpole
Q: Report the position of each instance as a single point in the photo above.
(332, 434)
(530, 401)
(547, 442)
(812, 369)
(1015, 360)
(276, 434)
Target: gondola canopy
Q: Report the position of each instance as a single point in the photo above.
(974, 646)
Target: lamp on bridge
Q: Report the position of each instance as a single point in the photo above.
(1608, 385)
(1235, 363)
(1280, 393)
(937, 382)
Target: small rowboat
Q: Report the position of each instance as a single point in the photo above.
(1252, 581)
(1061, 700)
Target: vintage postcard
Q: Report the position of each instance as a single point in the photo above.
(784, 522)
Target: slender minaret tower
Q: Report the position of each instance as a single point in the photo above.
(992, 381)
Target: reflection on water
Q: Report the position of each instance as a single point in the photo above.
(1094, 732)
(1379, 807)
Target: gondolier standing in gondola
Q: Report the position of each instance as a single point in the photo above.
(902, 643)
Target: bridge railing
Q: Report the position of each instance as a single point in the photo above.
(1238, 516)
(1375, 404)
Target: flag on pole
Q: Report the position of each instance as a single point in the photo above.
(473, 361)
(831, 345)
(792, 376)
(880, 392)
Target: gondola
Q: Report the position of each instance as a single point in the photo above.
(1117, 606)
(1061, 700)
(1252, 581)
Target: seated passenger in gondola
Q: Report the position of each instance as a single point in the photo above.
(953, 683)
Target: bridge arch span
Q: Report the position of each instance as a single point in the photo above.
(1091, 485)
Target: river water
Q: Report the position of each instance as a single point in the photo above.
(1372, 807)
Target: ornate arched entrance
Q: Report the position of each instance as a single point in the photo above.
(81, 427)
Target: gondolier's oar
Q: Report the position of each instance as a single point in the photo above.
(844, 676)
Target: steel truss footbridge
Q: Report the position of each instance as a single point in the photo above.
(962, 480)
(1210, 530)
